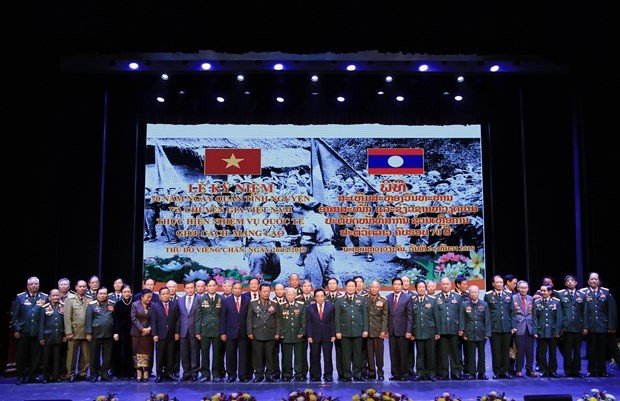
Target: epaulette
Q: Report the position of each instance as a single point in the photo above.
(45, 305)
(21, 293)
(300, 302)
(71, 292)
(61, 303)
(382, 297)
(73, 295)
(564, 290)
(432, 296)
(42, 293)
(603, 288)
(113, 302)
(488, 292)
(584, 289)
(92, 302)
(556, 298)
(581, 290)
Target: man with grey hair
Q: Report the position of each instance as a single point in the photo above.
(172, 286)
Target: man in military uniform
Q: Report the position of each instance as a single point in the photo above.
(75, 320)
(351, 327)
(295, 281)
(503, 325)
(64, 286)
(410, 358)
(52, 336)
(263, 325)
(93, 286)
(208, 317)
(280, 298)
(573, 305)
(307, 297)
(293, 338)
(25, 323)
(331, 296)
(377, 330)
(547, 326)
(460, 287)
(99, 327)
(600, 321)
(477, 320)
(424, 332)
(450, 329)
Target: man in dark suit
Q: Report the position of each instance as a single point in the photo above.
(400, 321)
(165, 324)
(150, 284)
(524, 337)
(321, 333)
(190, 346)
(234, 334)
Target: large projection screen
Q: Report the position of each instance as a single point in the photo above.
(238, 201)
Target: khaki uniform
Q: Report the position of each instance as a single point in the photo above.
(75, 320)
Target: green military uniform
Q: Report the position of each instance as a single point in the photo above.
(100, 325)
(75, 321)
(208, 327)
(450, 323)
(502, 312)
(25, 320)
(573, 305)
(425, 324)
(377, 325)
(263, 322)
(547, 326)
(52, 333)
(278, 346)
(351, 322)
(477, 328)
(600, 316)
(293, 330)
(307, 300)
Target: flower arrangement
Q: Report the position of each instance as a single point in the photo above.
(183, 269)
(446, 396)
(494, 395)
(109, 397)
(372, 394)
(238, 396)
(597, 395)
(308, 395)
(161, 397)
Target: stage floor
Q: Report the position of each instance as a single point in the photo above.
(468, 390)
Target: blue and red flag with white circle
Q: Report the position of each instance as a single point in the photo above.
(395, 161)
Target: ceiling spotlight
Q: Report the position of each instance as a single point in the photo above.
(240, 78)
(160, 99)
(164, 77)
(314, 93)
(314, 78)
(380, 93)
(219, 99)
(351, 67)
(181, 92)
(460, 78)
(134, 66)
(388, 78)
(278, 67)
(400, 98)
(340, 99)
(280, 99)
(494, 68)
(205, 66)
(247, 92)
(423, 68)
(458, 98)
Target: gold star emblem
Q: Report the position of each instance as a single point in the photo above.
(232, 161)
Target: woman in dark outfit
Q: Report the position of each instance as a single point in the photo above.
(141, 339)
(122, 357)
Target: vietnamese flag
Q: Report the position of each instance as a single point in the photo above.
(395, 161)
(232, 161)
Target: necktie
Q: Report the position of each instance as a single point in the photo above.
(166, 307)
(188, 303)
(321, 311)
(523, 299)
(212, 299)
(253, 296)
(395, 301)
(238, 304)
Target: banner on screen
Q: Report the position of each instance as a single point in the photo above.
(232, 202)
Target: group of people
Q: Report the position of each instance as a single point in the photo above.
(434, 331)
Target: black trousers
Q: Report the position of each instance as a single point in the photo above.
(190, 355)
(101, 357)
(425, 358)
(28, 357)
(262, 358)
(450, 360)
(500, 352)
(571, 344)
(52, 358)
(165, 350)
(237, 361)
(352, 353)
(398, 356)
(596, 350)
(478, 366)
(546, 355)
(315, 360)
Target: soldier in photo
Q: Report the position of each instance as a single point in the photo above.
(377, 331)
(27, 308)
(52, 336)
(75, 331)
(293, 330)
(263, 327)
(547, 324)
(99, 329)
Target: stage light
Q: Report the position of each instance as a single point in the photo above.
(314, 93)
(160, 99)
(351, 67)
(240, 78)
(460, 78)
(134, 66)
(205, 66)
(423, 68)
(388, 78)
(458, 98)
(247, 92)
(494, 68)
(400, 98)
(380, 93)
(164, 77)
(278, 67)
(220, 99)
(280, 99)
(340, 99)
(314, 78)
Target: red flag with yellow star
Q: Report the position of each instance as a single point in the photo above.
(232, 161)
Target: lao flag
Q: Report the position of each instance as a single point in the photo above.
(396, 161)
(232, 161)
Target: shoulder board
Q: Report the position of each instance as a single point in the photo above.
(489, 292)
(61, 303)
(73, 295)
(299, 297)
(603, 288)
(432, 296)
(273, 301)
(71, 292)
(556, 298)
(21, 293)
(92, 302)
(42, 293)
(584, 289)
(45, 305)
(300, 302)
(382, 298)
(110, 301)
(454, 292)
(563, 291)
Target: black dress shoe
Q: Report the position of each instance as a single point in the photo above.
(471, 377)
(554, 375)
(271, 380)
(483, 377)
(441, 378)
(457, 377)
(431, 378)
(94, 379)
(244, 380)
(346, 379)
(257, 380)
(231, 380)
(394, 378)
(381, 378)
(72, 379)
(604, 375)
(328, 379)
(314, 379)
(358, 379)
(204, 379)
(194, 378)
(158, 379)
